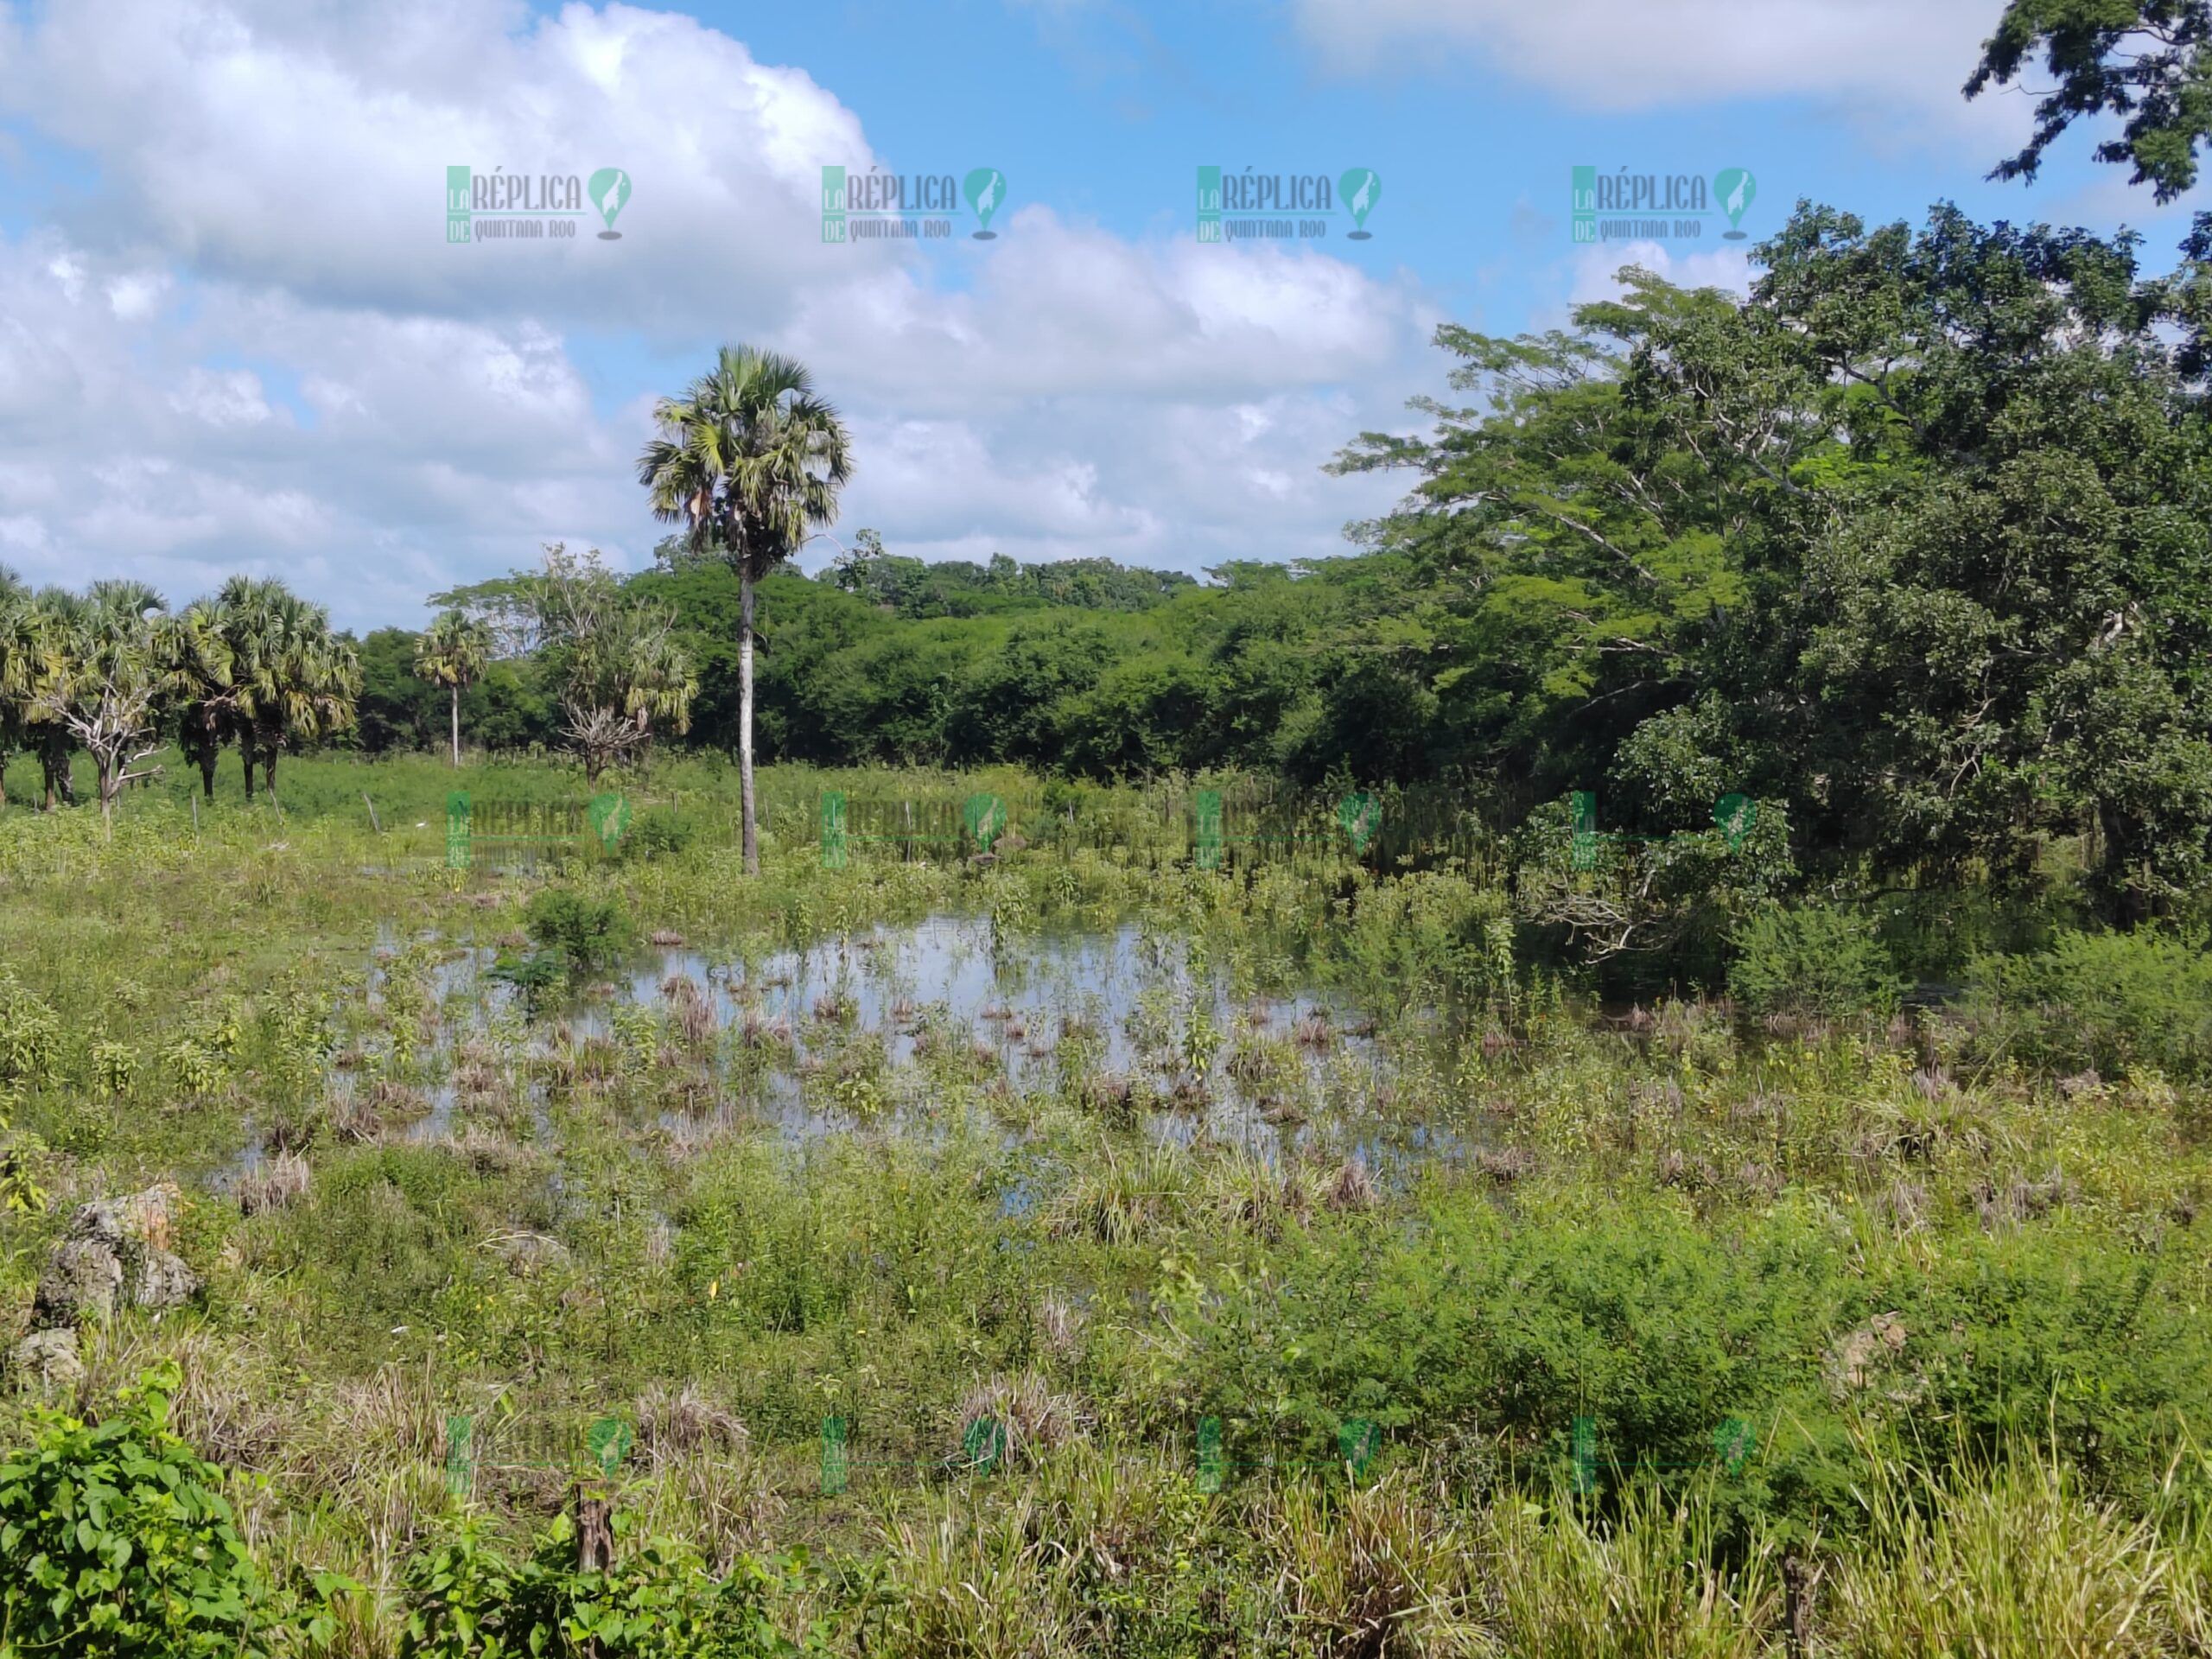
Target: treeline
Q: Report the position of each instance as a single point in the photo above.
(1914, 542)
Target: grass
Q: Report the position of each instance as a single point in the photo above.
(1957, 1298)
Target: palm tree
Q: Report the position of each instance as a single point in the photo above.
(294, 682)
(452, 652)
(207, 693)
(22, 667)
(749, 460)
(55, 614)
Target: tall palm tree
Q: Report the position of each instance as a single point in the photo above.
(452, 652)
(748, 461)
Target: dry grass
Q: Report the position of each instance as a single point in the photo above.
(276, 1182)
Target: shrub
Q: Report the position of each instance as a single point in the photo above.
(116, 1541)
(658, 831)
(467, 1600)
(2113, 1002)
(590, 933)
(1814, 960)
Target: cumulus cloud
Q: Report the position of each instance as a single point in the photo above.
(316, 386)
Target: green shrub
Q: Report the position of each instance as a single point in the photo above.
(2112, 1001)
(116, 1541)
(659, 831)
(1815, 960)
(467, 1600)
(590, 933)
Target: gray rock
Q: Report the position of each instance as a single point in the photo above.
(140, 1219)
(47, 1360)
(162, 1281)
(82, 1279)
(117, 1249)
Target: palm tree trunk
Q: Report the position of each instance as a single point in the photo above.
(751, 832)
(456, 728)
(245, 762)
(207, 758)
(269, 768)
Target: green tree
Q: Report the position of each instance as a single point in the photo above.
(2143, 60)
(453, 652)
(116, 662)
(749, 460)
(23, 666)
(297, 682)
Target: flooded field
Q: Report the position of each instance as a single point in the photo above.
(893, 1029)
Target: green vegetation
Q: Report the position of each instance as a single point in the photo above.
(1620, 1072)
(1653, 1310)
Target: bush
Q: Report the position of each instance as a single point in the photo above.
(116, 1541)
(1814, 960)
(588, 932)
(2113, 1003)
(465, 1600)
(655, 832)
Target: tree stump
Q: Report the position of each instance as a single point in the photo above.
(595, 1531)
(1797, 1582)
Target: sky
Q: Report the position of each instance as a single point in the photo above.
(236, 336)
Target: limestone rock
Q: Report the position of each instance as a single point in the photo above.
(47, 1360)
(147, 1219)
(116, 1250)
(82, 1279)
(162, 1281)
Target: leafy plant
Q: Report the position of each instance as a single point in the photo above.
(467, 1600)
(590, 933)
(116, 1542)
(1816, 960)
(2112, 1001)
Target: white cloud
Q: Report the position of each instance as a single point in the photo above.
(316, 386)
(1596, 269)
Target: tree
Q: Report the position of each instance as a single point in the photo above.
(2144, 60)
(453, 653)
(749, 460)
(613, 659)
(22, 667)
(295, 682)
(113, 663)
(207, 701)
(53, 614)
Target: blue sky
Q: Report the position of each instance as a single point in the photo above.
(232, 334)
